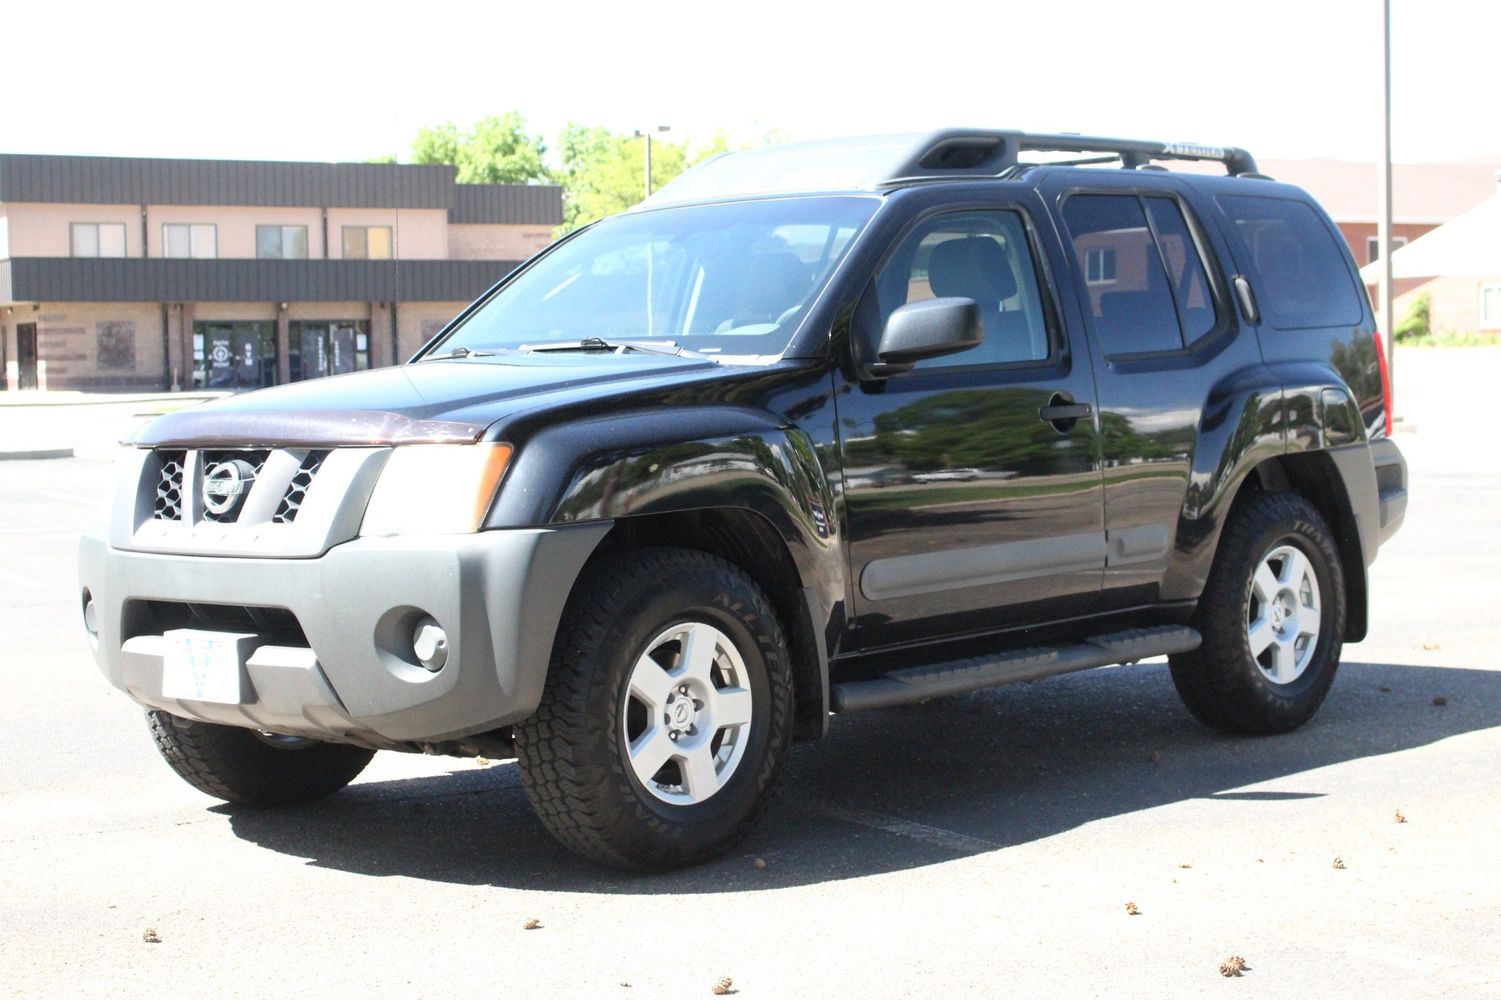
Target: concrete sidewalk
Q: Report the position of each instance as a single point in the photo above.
(50, 397)
(45, 425)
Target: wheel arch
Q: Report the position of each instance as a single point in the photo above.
(749, 540)
(1314, 476)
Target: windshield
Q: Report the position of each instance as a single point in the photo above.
(720, 280)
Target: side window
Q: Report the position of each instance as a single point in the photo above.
(1298, 269)
(1185, 268)
(983, 256)
(1134, 312)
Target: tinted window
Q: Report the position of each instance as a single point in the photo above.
(1185, 268)
(974, 255)
(1299, 270)
(1133, 308)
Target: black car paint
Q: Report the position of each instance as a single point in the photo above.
(1167, 447)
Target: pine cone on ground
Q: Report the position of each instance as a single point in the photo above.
(1232, 966)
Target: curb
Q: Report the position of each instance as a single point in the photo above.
(27, 454)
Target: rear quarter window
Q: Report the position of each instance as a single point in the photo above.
(1298, 266)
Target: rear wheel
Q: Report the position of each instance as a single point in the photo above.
(667, 713)
(251, 768)
(1272, 616)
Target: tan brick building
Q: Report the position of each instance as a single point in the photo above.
(131, 274)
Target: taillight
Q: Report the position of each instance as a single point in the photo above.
(1386, 382)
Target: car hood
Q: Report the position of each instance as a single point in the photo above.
(426, 402)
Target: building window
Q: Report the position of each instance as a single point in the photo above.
(1373, 247)
(181, 239)
(281, 242)
(1099, 265)
(1490, 307)
(367, 242)
(98, 239)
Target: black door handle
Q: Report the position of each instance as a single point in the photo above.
(1062, 408)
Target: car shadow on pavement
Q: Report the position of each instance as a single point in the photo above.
(906, 787)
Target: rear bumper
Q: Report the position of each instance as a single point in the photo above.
(498, 595)
(1391, 485)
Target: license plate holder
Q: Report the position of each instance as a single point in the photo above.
(200, 665)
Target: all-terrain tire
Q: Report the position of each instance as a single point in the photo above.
(574, 753)
(1222, 682)
(244, 767)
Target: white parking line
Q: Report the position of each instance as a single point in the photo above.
(947, 839)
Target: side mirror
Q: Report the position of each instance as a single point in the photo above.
(927, 329)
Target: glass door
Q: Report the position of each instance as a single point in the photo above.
(234, 355)
(26, 356)
(328, 347)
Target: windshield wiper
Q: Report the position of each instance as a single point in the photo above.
(666, 348)
(461, 352)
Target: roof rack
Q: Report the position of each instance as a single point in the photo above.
(971, 152)
(873, 162)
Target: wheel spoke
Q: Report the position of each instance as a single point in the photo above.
(1261, 635)
(1264, 584)
(650, 683)
(1308, 627)
(1284, 661)
(1294, 568)
(730, 707)
(698, 653)
(650, 751)
(700, 780)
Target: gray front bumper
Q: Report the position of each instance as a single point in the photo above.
(498, 594)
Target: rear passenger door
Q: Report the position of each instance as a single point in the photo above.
(1163, 335)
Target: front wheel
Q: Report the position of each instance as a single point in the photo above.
(667, 712)
(1273, 619)
(251, 768)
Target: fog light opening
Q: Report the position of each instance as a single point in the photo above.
(430, 643)
(91, 618)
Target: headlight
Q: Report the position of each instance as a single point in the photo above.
(435, 489)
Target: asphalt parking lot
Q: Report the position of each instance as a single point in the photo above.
(985, 845)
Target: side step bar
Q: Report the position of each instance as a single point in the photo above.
(901, 687)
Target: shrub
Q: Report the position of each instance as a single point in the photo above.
(1414, 325)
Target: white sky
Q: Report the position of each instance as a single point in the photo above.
(316, 81)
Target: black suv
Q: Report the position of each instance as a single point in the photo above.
(817, 429)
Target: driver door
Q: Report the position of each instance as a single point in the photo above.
(968, 510)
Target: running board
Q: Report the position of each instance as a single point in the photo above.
(901, 687)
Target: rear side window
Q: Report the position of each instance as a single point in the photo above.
(1148, 290)
(1299, 269)
(1185, 268)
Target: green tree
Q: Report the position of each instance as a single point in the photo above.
(497, 150)
(604, 172)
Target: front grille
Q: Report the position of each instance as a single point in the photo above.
(292, 499)
(169, 503)
(255, 460)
